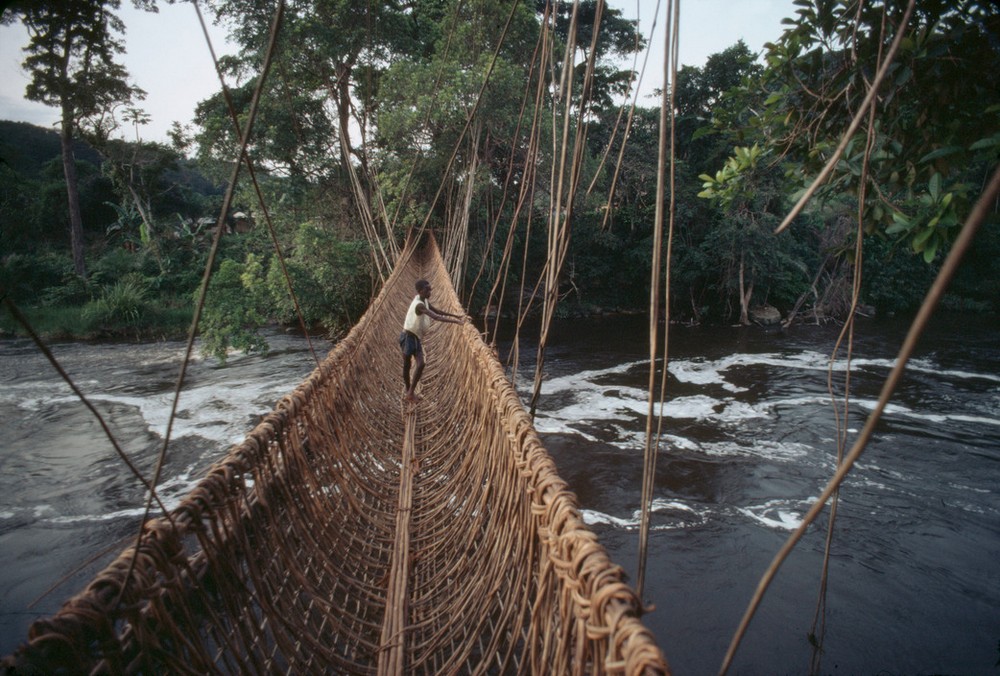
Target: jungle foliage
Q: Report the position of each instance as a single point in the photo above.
(385, 123)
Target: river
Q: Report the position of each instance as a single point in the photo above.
(749, 442)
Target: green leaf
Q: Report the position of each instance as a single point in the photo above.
(948, 219)
(922, 237)
(934, 186)
(940, 152)
(903, 76)
(900, 223)
(985, 143)
(929, 252)
(701, 132)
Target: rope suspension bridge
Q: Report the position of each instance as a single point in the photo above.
(350, 533)
(354, 533)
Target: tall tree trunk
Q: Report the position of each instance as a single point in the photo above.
(73, 195)
(695, 312)
(744, 296)
(343, 101)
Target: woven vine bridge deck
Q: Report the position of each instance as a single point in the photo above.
(348, 534)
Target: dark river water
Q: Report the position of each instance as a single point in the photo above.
(749, 443)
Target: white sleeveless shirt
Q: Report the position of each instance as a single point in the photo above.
(414, 323)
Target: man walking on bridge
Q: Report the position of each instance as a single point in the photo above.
(418, 320)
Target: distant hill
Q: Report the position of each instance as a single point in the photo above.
(27, 148)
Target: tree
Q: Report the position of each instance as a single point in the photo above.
(617, 38)
(427, 97)
(910, 172)
(71, 59)
(322, 87)
(141, 173)
(705, 94)
(749, 257)
(920, 157)
(722, 248)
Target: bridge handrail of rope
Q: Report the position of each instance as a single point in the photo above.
(281, 558)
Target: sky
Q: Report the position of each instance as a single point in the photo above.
(166, 54)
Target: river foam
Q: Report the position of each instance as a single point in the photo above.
(776, 426)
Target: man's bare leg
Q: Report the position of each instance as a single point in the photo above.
(411, 391)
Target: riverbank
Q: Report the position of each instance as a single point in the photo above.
(71, 324)
(53, 324)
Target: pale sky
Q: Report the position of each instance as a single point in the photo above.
(166, 53)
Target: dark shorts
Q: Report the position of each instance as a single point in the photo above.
(410, 344)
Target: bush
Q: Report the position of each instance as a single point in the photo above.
(329, 277)
(28, 277)
(61, 323)
(121, 305)
(234, 309)
(114, 265)
(182, 268)
(73, 291)
(894, 280)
